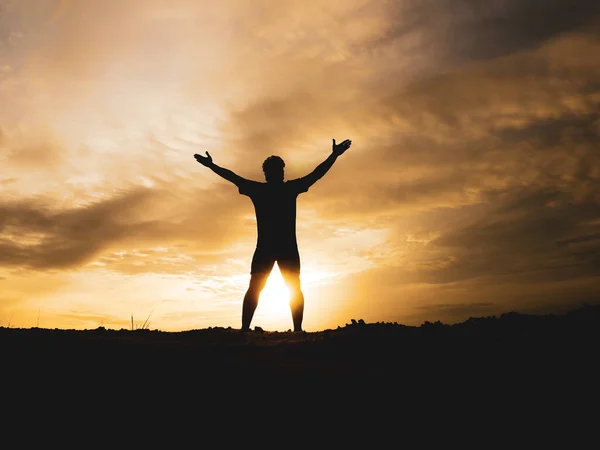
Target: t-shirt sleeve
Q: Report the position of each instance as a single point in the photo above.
(300, 185)
(248, 187)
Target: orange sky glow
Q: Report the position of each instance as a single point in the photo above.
(471, 188)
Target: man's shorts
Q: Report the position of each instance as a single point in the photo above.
(264, 259)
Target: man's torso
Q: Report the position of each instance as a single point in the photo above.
(275, 207)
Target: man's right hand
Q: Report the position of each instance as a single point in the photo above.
(340, 148)
(204, 160)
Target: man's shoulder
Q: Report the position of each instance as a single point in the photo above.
(247, 187)
(298, 184)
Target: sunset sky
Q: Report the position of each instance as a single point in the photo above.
(472, 186)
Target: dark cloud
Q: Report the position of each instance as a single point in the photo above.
(579, 240)
(541, 235)
(459, 30)
(200, 224)
(525, 118)
(549, 133)
(36, 236)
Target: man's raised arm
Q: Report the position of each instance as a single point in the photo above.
(225, 173)
(321, 169)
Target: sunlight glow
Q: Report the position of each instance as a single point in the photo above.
(274, 301)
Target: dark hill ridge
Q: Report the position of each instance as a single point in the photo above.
(509, 365)
(372, 348)
(577, 324)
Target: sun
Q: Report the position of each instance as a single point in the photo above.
(274, 301)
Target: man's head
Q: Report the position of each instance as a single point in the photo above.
(273, 169)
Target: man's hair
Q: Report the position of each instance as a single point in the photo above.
(272, 162)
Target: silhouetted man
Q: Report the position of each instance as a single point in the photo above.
(275, 207)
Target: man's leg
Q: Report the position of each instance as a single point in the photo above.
(257, 283)
(290, 270)
(262, 264)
